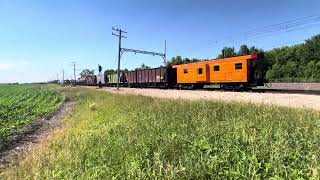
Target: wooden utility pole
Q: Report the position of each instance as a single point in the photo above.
(74, 72)
(165, 53)
(62, 76)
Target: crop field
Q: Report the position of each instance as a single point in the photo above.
(21, 104)
(114, 136)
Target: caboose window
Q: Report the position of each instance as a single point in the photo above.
(185, 71)
(238, 66)
(199, 70)
(216, 68)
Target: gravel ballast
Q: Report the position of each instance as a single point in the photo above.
(278, 99)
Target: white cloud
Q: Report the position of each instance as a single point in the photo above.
(10, 66)
(6, 66)
(25, 62)
(32, 76)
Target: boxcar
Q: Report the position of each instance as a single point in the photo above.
(231, 73)
(112, 79)
(91, 80)
(131, 77)
(162, 77)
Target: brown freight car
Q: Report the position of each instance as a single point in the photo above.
(162, 77)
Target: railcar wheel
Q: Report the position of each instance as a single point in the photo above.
(198, 86)
(268, 84)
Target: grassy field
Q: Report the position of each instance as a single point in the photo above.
(21, 104)
(134, 137)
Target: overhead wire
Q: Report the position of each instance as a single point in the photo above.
(268, 35)
(274, 28)
(269, 26)
(284, 27)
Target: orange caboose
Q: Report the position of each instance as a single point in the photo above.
(231, 73)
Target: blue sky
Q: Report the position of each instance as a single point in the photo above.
(39, 38)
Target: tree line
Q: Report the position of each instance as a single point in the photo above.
(298, 63)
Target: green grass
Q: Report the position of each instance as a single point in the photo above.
(135, 137)
(22, 104)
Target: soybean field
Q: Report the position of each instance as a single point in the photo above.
(20, 105)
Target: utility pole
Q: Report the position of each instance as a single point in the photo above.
(58, 78)
(62, 76)
(165, 53)
(74, 72)
(119, 35)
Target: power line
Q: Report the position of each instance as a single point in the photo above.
(270, 26)
(267, 35)
(275, 27)
(291, 43)
(285, 27)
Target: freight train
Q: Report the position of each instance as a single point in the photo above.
(232, 73)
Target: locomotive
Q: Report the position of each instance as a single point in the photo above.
(231, 73)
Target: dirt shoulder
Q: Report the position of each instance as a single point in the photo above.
(28, 137)
(278, 99)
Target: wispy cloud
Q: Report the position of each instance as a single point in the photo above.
(6, 66)
(25, 62)
(9, 66)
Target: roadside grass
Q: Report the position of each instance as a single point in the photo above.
(134, 137)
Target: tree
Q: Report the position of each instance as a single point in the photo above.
(175, 61)
(124, 70)
(299, 62)
(109, 71)
(86, 72)
(143, 66)
(195, 60)
(178, 60)
(253, 50)
(228, 52)
(112, 71)
(244, 50)
(312, 70)
(186, 61)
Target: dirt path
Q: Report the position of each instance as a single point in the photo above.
(19, 144)
(287, 100)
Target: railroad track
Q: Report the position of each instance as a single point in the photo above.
(276, 90)
(289, 91)
(270, 90)
(283, 88)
